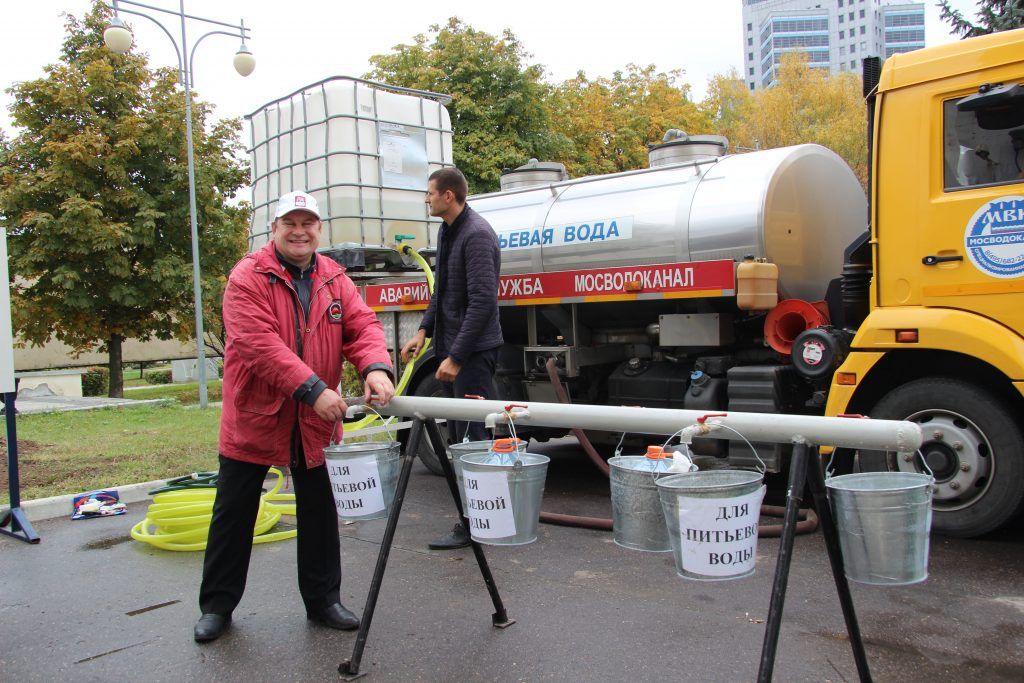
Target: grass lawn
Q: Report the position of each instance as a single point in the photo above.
(187, 394)
(133, 378)
(79, 451)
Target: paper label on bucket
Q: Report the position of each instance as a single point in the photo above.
(718, 536)
(356, 486)
(488, 504)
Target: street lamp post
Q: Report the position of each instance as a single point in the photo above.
(119, 39)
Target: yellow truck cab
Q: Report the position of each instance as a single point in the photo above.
(943, 341)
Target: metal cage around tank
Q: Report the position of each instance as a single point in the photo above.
(326, 138)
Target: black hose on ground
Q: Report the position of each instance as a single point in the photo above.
(807, 519)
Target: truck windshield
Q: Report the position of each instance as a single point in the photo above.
(978, 154)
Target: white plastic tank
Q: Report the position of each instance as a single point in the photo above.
(798, 207)
(363, 149)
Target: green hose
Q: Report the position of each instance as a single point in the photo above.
(196, 480)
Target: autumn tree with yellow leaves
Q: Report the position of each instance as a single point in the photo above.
(610, 121)
(804, 105)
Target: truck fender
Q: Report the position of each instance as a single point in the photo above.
(944, 329)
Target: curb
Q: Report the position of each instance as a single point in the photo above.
(61, 506)
(127, 403)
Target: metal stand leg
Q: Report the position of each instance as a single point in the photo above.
(15, 517)
(805, 467)
(794, 496)
(349, 669)
(500, 617)
(816, 482)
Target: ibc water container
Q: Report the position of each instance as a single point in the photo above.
(363, 149)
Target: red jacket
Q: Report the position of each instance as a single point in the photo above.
(263, 368)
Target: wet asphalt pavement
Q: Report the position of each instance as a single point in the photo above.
(90, 604)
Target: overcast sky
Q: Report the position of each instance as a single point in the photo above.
(299, 42)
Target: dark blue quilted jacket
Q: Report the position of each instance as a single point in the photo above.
(462, 317)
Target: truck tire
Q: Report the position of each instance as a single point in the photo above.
(431, 387)
(972, 443)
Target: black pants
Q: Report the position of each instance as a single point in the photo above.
(229, 546)
(475, 378)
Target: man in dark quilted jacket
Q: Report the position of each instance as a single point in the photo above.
(462, 318)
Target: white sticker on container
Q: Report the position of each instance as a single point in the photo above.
(488, 504)
(356, 486)
(718, 536)
(390, 155)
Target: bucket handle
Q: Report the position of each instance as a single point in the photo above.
(618, 447)
(831, 457)
(925, 463)
(717, 424)
(515, 439)
(386, 422)
(764, 467)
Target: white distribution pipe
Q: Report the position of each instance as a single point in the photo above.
(887, 435)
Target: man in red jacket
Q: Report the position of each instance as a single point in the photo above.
(291, 317)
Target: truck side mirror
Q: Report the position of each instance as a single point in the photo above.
(996, 107)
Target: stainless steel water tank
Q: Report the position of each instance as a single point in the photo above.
(798, 207)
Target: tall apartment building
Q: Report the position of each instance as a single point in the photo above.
(835, 34)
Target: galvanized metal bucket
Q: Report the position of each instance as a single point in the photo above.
(503, 501)
(455, 453)
(363, 478)
(884, 520)
(637, 520)
(712, 522)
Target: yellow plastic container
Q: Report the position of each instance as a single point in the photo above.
(757, 285)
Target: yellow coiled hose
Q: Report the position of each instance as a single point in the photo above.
(180, 520)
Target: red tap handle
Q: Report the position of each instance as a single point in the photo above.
(855, 415)
(704, 418)
(510, 406)
(477, 397)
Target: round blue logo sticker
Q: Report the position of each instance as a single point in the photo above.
(995, 237)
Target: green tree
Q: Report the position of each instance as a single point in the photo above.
(498, 115)
(93, 194)
(610, 121)
(992, 15)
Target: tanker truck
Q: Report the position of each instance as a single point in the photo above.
(768, 282)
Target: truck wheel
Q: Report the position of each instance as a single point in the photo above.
(972, 444)
(430, 386)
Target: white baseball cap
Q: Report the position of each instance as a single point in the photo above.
(297, 201)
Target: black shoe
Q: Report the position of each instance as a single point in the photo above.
(458, 537)
(211, 627)
(335, 616)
